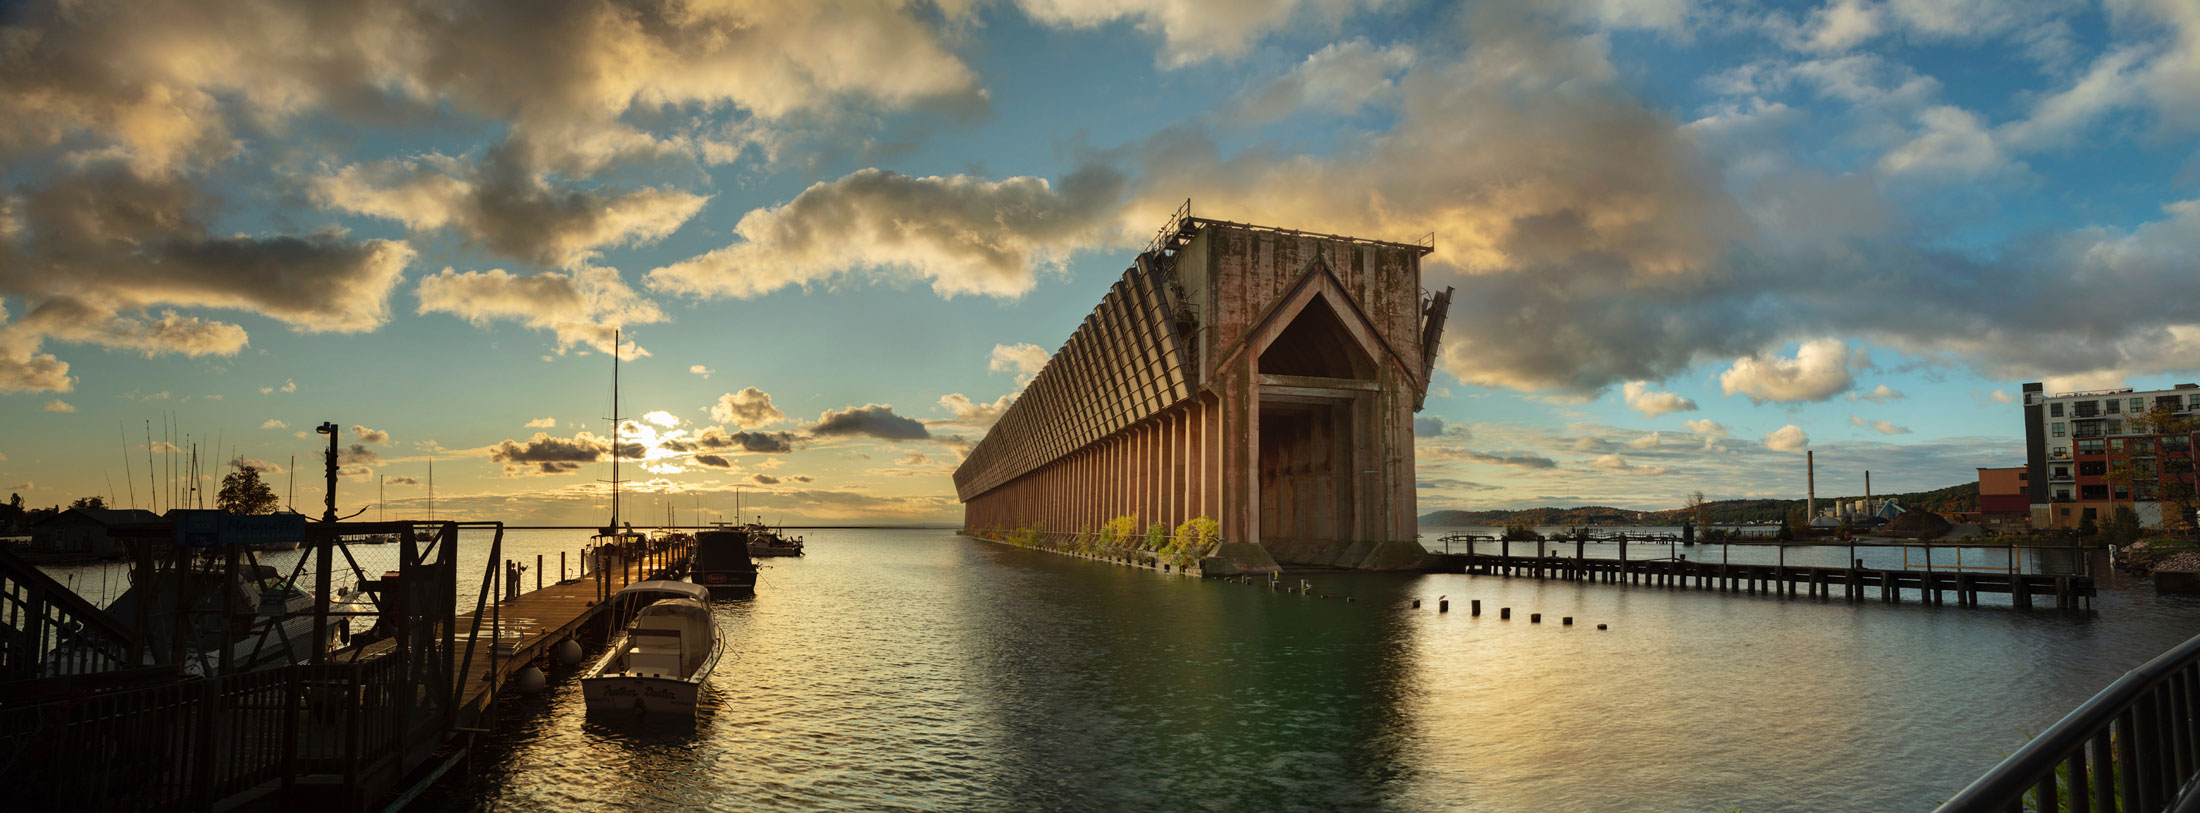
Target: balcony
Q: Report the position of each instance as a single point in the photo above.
(2058, 454)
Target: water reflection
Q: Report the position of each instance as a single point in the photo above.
(892, 670)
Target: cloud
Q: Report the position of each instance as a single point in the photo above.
(1337, 80)
(403, 481)
(1882, 427)
(1191, 30)
(964, 235)
(870, 420)
(1880, 394)
(583, 307)
(358, 454)
(274, 423)
(715, 438)
(662, 418)
(1649, 441)
(1524, 461)
(288, 386)
(983, 414)
(1025, 360)
(750, 408)
(1789, 438)
(1819, 370)
(542, 423)
(2001, 397)
(1450, 484)
(1619, 465)
(58, 405)
(713, 461)
(562, 77)
(1706, 428)
(507, 206)
(1428, 426)
(375, 436)
(764, 479)
(256, 464)
(1651, 404)
(546, 454)
(700, 370)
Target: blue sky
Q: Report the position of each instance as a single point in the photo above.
(1690, 240)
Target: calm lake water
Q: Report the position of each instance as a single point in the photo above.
(920, 670)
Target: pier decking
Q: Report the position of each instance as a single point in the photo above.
(1853, 583)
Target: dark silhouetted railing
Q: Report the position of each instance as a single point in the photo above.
(2134, 748)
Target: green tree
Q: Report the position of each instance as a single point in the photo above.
(15, 501)
(2123, 527)
(243, 493)
(88, 502)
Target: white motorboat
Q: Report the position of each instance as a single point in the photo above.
(658, 663)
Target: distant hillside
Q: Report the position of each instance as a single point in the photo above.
(1963, 497)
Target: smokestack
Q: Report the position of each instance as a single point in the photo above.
(1810, 475)
(1868, 506)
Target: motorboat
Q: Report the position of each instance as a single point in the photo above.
(658, 663)
(764, 541)
(722, 561)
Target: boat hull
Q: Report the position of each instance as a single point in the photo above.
(640, 696)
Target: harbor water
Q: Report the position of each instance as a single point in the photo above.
(894, 669)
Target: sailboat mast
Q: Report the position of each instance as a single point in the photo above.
(614, 430)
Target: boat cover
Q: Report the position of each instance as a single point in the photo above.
(681, 589)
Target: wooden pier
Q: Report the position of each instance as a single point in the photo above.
(360, 727)
(1851, 583)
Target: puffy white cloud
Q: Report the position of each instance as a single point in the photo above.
(1650, 403)
(58, 405)
(964, 235)
(1881, 394)
(1789, 438)
(584, 307)
(698, 369)
(1339, 79)
(978, 412)
(1882, 426)
(374, 436)
(2001, 397)
(1819, 370)
(1025, 360)
(1191, 30)
(542, 423)
(750, 408)
(1619, 465)
(1649, 441)
(662, 418)
(274, 423)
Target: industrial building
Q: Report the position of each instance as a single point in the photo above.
(1259, 377)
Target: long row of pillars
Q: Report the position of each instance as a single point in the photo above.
(1167, 468)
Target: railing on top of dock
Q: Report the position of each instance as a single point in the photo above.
(2134, 748)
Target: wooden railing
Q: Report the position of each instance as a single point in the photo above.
(189, 744)
(46, 630)
(2133, 748)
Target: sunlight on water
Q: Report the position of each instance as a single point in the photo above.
(899, 669)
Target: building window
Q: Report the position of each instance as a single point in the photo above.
(2062, 494)
(2138, 405)
(2091, 447)
(2060, 473)
(2054, 410)
(2093, 468)
(2023, 490)
(2023, 476)
(2087, 409)
(2114, 427)
(2193, 400)
(2123, 492)
(2055, 429)
(2115, 444)
(2115, 406)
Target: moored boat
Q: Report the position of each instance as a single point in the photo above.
(658, 663)
(764, 541)
(722, 561)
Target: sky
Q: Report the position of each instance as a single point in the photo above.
(1689, 240)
